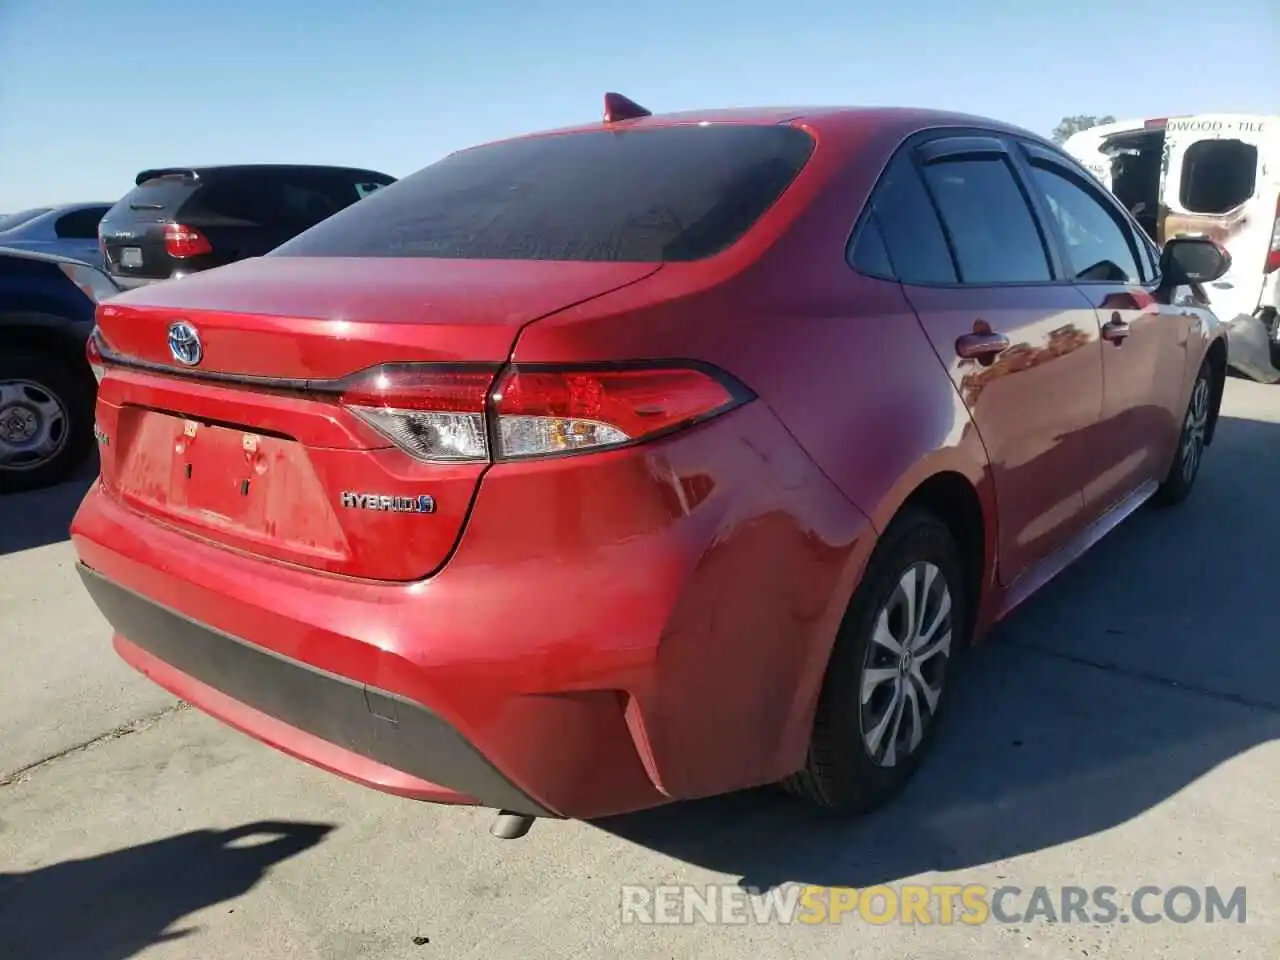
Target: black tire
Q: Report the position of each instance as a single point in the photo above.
(1181, 478)
(840, 771)
(1273, 328)
(73, 392)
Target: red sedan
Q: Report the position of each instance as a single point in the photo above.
(653, 459)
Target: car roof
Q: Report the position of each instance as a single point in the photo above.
(836, 119)
(209, 171)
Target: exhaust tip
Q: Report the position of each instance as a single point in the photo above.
(511, 826)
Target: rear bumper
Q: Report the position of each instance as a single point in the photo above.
(612, 632)
(383, 734)
(1249, 349)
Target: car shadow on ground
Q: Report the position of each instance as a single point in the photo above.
(1145, 666)
(113, 906)
(39, 517)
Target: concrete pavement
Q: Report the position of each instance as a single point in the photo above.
(1121, 729)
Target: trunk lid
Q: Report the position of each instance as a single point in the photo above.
(251, 449)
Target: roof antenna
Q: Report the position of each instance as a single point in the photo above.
(618, 108)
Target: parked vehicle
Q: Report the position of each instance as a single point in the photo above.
(46, 387)
(181, 220)
(579, 473)
(69, 230)
(1215, 175)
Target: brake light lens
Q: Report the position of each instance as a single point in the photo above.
(181, 241)
(452, 414)
(93, 353)
(432, 413)
(542, 412)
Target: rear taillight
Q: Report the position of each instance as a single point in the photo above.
(548, 411)
(433, 413)
(181, 241)
(93, 353)
(1273, 254)
(439, 413)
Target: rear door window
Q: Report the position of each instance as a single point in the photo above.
(1217, 176)
(908, 227)
(246, 198)
(992, 230)
(303, 204)
(675, 193)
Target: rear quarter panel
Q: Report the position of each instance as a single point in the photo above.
(843, 364)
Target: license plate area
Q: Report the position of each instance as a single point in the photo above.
(222, 474)
(237, 486)
(131, 257)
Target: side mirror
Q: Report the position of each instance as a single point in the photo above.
(1191, 260)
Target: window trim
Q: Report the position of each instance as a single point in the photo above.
(1033, 155)
(952, 149)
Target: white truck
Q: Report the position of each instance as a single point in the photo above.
(1217, 175)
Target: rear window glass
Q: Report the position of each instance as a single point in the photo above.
(1217, 175)
(668, 194)
(154, 195)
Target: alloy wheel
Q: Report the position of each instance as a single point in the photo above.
(905, 666)
(1194, 429)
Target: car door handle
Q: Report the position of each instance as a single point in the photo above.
(981, 346)
(1116, 331)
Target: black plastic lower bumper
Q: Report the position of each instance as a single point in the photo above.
(373, 723)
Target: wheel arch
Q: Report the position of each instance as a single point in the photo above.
(47, 333)
(956, 501)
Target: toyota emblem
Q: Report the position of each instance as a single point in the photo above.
(184, 343)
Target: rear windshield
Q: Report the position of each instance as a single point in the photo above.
(159, 194)
(665, 194)
(1218, 175)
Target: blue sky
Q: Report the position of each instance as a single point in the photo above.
(93, 92)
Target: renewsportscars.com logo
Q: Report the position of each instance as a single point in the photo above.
(940, 904)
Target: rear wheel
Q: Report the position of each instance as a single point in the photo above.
(46, 420)
(886, 683)
(1187, 460)
(1273, 328)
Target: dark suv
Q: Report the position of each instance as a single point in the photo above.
(180, 220)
